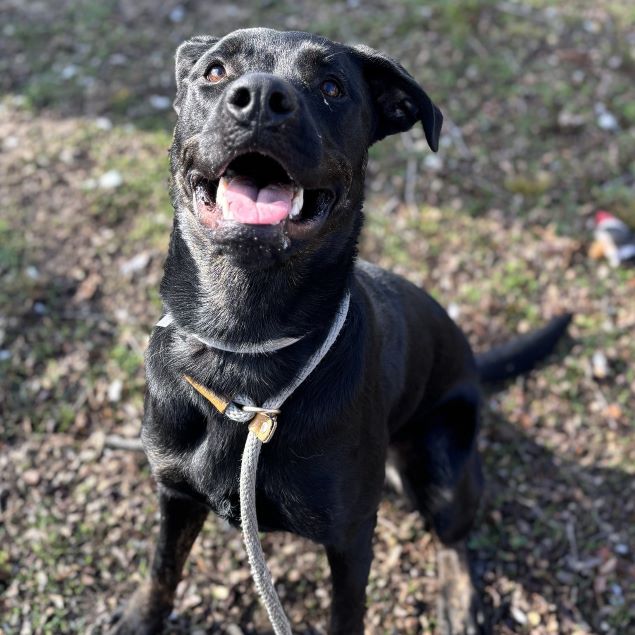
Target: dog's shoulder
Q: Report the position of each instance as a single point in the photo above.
(393, 295)
(413, 326)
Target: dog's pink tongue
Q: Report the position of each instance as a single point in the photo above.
(246, 203)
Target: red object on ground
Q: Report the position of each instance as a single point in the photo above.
(615, 239)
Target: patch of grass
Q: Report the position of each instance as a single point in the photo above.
(127, 359)
(143, 196)
(12, 246)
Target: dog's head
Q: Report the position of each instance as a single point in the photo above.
(271, 141)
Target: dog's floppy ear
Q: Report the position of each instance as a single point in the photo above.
(399, 100)
(187, 55)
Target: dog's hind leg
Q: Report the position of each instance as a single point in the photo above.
(350, 566)
(441, 473)
(181, 521)
(459, 608)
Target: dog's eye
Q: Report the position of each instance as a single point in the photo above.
(331, 88)
(216, 73)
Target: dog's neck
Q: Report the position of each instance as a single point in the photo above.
(218, 299)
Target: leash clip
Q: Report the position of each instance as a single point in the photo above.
(256, 409)
(264, 424)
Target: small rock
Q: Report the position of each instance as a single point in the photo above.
(136, 263)
(607, 121)
(621, 549)
(433, 162)
(518, 615)
(472, 72)
(11, 142)
(599, 365)
(69, 71)
(177, 14)
(103, 123)
(42, 580)
(454, 310)
(578, 76)
(110, 180)
(615, 62)
(31, 477)
(57, 600)
(233, 629)
(39, 308)
(220, 592)
(160, 102)
(67, 155)
(570, 121)
(115, 390)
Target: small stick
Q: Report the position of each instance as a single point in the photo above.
(121, 443)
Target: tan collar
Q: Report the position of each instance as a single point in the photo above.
(262, 419)
(263, 424)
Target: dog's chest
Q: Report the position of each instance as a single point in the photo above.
(297, 491)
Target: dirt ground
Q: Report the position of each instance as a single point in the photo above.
(539, 100)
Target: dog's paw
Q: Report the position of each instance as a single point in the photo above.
(144, 614)
(459, 611)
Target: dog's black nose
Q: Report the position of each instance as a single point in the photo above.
(262, 98)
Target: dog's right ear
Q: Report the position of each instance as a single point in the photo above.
(187, 55)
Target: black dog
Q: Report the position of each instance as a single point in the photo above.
(268, 165)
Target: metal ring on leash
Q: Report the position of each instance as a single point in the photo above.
(255, 409)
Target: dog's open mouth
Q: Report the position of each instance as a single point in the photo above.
(256, 190)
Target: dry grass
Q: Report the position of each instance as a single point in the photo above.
(502, 239)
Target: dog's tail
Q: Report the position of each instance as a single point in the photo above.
(523, 353)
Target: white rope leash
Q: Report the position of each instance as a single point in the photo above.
(248, 472)
(249, 521)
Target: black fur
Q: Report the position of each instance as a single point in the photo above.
(400, 378)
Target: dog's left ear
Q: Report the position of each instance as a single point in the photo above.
(186, 56)
(399, 100)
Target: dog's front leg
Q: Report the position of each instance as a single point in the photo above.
(350, 566)
(181, 521)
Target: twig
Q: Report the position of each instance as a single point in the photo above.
(121, 443)
(411, 182)
(573, 543)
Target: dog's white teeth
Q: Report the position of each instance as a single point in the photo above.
(298, 202)
(221, 200)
